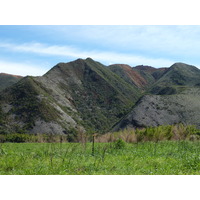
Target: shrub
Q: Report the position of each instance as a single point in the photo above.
(119, 144)
(40, 138)
(17, 138)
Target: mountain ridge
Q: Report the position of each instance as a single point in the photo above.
(87, 96)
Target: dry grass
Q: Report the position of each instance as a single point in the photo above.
(160, 133)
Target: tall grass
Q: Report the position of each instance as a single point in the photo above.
(160, 133)
(154, 150)
(165, 157)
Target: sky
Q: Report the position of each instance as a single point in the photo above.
(33, 50)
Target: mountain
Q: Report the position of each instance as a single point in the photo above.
(7, 80)
(80, 95)
(173, 98)
(87, 96)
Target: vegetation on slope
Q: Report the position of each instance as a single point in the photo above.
(178, 77)
(84, 91)
(26, 106)
(99, 95)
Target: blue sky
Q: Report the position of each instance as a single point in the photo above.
(33, 50)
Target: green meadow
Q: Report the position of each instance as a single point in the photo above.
(159, 150)
(148, 158)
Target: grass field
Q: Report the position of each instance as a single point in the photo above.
(165, 157)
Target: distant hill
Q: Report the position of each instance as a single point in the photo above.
(87, 96)
(130, 75)
(176, 78)
(156, 73)
(174, 98)
(7, 80)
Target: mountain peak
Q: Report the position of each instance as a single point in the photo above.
(89, 59)
(186, 69)
(182, 65)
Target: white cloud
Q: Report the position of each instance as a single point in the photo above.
(171, 40)
(21, 69)
(101, 56)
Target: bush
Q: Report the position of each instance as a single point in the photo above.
(17, 138)
(119, 144)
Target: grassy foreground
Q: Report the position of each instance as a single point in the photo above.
(165, 157)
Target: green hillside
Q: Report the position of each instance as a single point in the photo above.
(100, 96)
(178, 77)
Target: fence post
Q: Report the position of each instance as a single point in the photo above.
(93, 137)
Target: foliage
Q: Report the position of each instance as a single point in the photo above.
(31, 138)
(17, 138)
(119, 144)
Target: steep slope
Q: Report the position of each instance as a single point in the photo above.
(7, 80)
(80, 95)
(100, 96)
(155, 110)
(177, 100)
(29, 107)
